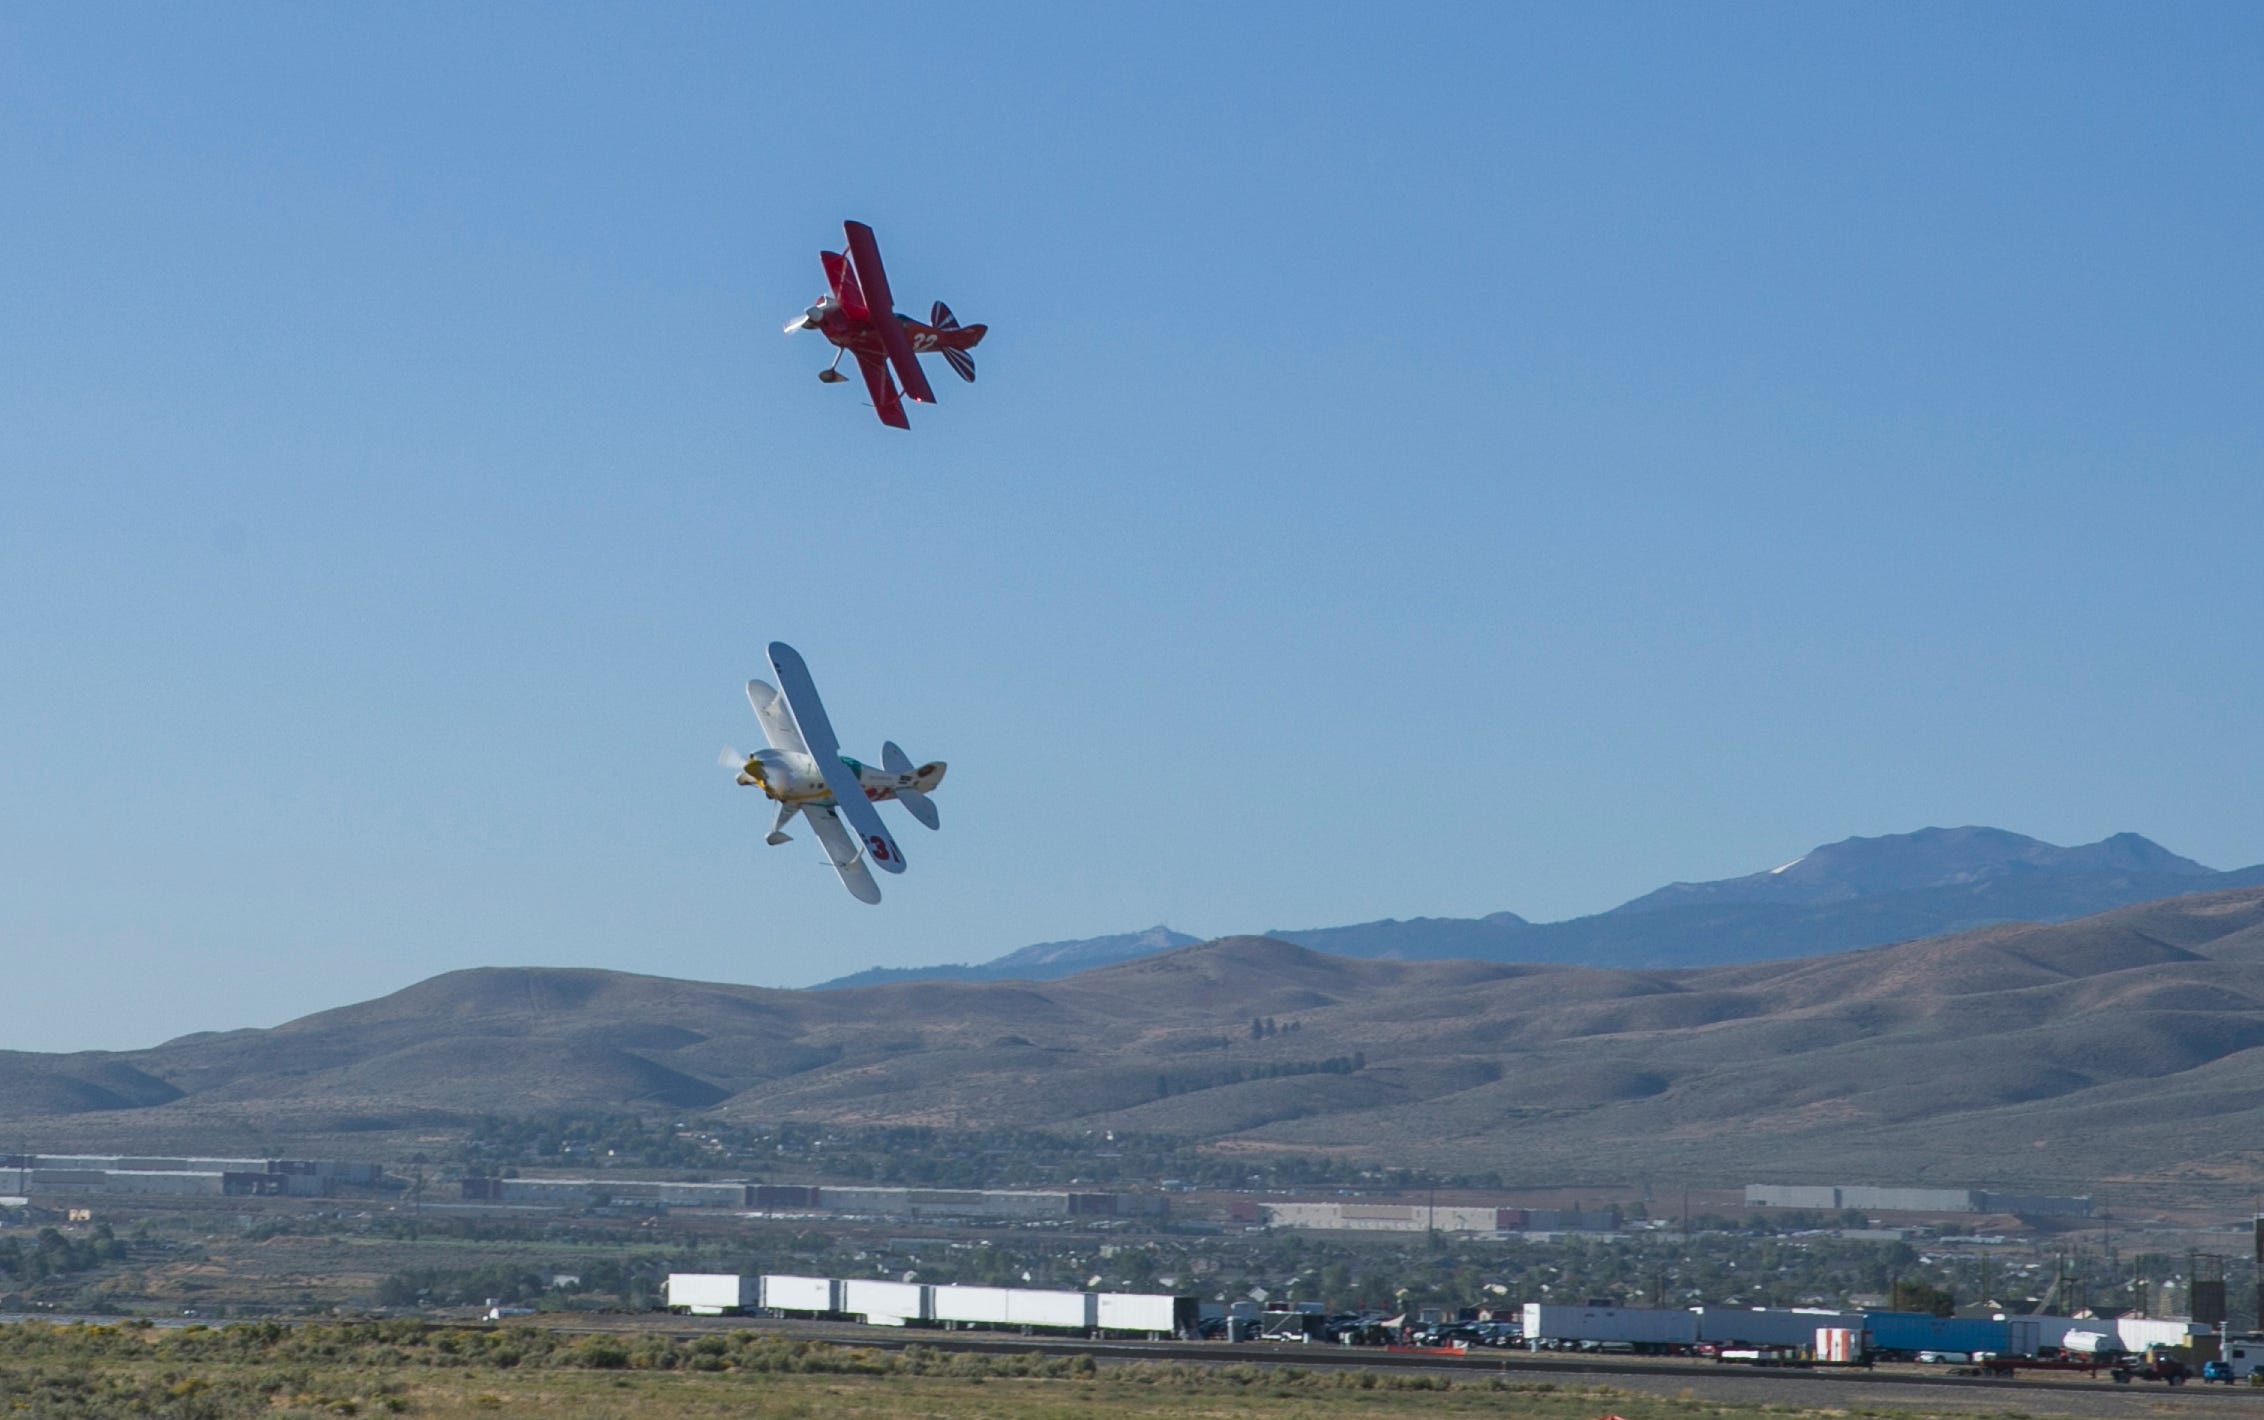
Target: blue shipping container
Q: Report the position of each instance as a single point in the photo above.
(1919, 1331)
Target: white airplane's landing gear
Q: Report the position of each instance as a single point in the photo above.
(777, 838)
(778, 832)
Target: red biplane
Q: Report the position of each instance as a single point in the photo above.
(857, 315)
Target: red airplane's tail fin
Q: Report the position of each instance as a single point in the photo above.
(961, 361)
(942, 318)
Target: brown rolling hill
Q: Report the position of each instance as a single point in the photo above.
(2117, 1046)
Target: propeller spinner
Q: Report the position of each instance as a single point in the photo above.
(812, 318)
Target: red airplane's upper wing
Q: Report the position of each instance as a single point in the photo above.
(885, 403)
(843, 280)
(874, 278)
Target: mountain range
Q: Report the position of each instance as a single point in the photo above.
(1047, 961)
(2126, 1047)
(1859, 892)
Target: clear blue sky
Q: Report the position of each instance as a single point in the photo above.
(1426, 462)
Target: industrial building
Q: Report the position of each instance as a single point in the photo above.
(937, 1204)
(1869, 1199)
(39, 1175)
(884, 1303)
(1425, 1217)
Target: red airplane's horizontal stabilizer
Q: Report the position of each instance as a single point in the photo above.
(873, 277)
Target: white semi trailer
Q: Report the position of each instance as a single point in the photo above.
(1059, 1311)
(818, 1295)
(885, 1303)
(712, 1293)
(1156, 1316)
(1769, 1326)
(969, 1306)
(1642, 1328)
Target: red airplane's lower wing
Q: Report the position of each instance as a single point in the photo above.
(885, 402)
(873, 277)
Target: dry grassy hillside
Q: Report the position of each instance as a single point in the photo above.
(2117, 1045)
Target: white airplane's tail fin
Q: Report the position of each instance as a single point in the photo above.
(922, 807)
(898, 763)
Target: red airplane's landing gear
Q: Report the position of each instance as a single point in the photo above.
(831, 374)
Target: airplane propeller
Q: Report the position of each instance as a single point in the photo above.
(813, 318)
(732, 759)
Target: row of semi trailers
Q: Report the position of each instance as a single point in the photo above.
(1831, 1335)
(879, 1303)
(1845, 1335)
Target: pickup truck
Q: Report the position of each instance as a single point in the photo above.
(2166, 1369)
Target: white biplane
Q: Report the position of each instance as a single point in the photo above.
(804, 772)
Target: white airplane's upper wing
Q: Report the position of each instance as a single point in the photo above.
(817, 733)
(842, 849)
(778, 725)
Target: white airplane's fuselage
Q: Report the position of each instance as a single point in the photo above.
(791, 777)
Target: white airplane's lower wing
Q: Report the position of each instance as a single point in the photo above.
(842, 849)
(817, 732)
(778, 723)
